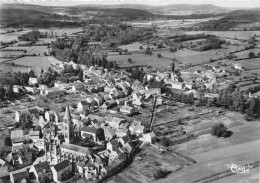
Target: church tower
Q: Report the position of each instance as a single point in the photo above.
(67, 120)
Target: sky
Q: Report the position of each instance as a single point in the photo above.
(222, 3)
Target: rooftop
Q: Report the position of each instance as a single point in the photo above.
(75, 148)
(60, 166)
(89, 129)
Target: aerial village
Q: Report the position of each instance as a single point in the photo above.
(100, 135)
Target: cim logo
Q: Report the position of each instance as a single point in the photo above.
(239, 169)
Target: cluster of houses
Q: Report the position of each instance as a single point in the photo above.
(80, 143)
(62, 141)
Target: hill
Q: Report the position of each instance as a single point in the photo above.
(28, 15)
(32, 16)
(174, 9)
(235, 19)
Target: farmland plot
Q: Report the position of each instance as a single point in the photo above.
(245, 35)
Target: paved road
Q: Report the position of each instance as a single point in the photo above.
(228, 151)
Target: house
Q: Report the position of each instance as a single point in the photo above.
(73, 64)
(113, 167)
(61, 85)
(137, 86)
(238, 67)
(128, 147)
(114, 121)
(83, 106)
(33, 81)
(17, 134)
(96, 117)
(120, 132)
(121, 101)
(52, 116)
(39, 144)
(95, 134)
(137, 99)
(155, 88)
(52, 93)
(113, 145)
(211, 95)
(150, 137)
(108, 105)
(72, 151)
(254, 95)
(216, 68)
(98, 100)
(109, 133)
(188, 85)
(42, 172)
(77, 87)
(19, 176)
(34, 135)
(136, 127)
(175, 84)
(123, 140)
(61, 170)
(32, 89)
(127, 109)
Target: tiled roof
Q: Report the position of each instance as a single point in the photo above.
(34, 133)
(42, 166)
(75, 148)
(62, 165)
(89, 129)
(19, 175)
(84, 102)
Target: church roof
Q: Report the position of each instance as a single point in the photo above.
(67, 115)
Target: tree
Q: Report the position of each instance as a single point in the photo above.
(166, 141)
(173, 49)
(26, 121)
(173, 66)
(31, 74)
(41, 72)
(2, 93)
(8, 141)
(25, 79)
(159, 174)
(9, 93)
(148, 51)
(159, 55)
(251, 54)
(80, 75)
(219, 130)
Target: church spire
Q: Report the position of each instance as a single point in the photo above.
(67, 116)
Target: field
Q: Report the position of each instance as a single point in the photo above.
(145, 165)
(251, 64)
(29, 61)
(244, 54)
(141, 59)
(244, 35)
(207, 142)
(201, 170)
(185, 56)
(59, 32)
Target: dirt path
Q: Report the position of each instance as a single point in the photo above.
(228, 151)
